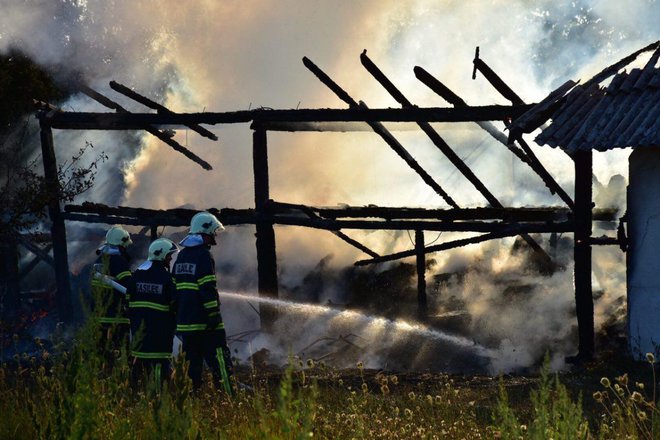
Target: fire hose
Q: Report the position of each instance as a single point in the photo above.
(109, 281)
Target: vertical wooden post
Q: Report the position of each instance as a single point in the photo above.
(58, 230)
(266, 252)
(154, 232)
(9, 278)
(422, 307)
(584, 303)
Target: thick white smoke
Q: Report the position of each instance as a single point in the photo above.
(232, 55)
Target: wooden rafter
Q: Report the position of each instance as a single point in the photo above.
(148, 128)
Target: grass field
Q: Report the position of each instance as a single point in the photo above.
(70, 392)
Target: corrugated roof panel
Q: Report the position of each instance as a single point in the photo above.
(625, 113)
(655, 82)
(630, 81)
(573, 127)
(571, 113)
(613, 88)
(649, 118)
(621, 105)
(612, 105)
(591, 121)
(648, 72)
(638, 113)
(572, 100)
(632, 113)
(608, 111)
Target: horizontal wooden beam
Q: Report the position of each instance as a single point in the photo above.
(509, 232)
(424, 225)
(94, 213)
(524, 214)
(329, 224)
(99, 213)
(604, 241)
(137, 121)
(339, 127)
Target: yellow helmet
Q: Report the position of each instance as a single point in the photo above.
(205, 223)
(118, 236)
(161, 248)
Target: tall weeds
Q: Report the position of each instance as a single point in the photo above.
(78, 393)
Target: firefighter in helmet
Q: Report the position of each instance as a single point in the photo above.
(199, 323)
(151, 311)
(110, 303)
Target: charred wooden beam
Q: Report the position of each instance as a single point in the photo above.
(45, 108)
(37, 237)
(611, 70)
(25, 270)
(137, 121)
(110, 219)
(385, 134)
(523, 214)
(148, 128)
(509, 232)
(98, 213)
(540, 113)
(10, 301)
(508, 93)
(311, 214)
(445, 148)
(547, 178)
(443, 91)
(508, 214)
(528, 157)
(160, 108)
(494, 79)
(57, 230)
(320, 127)
(422, 304)
(426, 225)
(605, 241)
(432, 134)
(380, 130)
(584, 303)
(36, 250)
(265, 234)
(356, 244)
(182, 216)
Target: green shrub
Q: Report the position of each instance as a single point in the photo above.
(554, 414)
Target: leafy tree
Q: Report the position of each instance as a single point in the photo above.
(24, 194)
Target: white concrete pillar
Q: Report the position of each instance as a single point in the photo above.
(644, 253)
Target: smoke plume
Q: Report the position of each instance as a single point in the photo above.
(233, 55)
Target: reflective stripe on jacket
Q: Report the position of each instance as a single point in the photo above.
(151, 310)
(112, 301)
(197, 297)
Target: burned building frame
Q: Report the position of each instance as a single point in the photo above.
(493, 222)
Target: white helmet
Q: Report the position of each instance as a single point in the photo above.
(118, 236)
(161, 248)
(205, 223)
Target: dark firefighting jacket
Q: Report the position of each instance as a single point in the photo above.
(111, 301)
(151, 311)
(198, 308)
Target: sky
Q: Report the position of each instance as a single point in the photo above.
(233, 55)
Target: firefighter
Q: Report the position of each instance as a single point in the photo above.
(151, 311)
(110, 304)
(199, 323)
